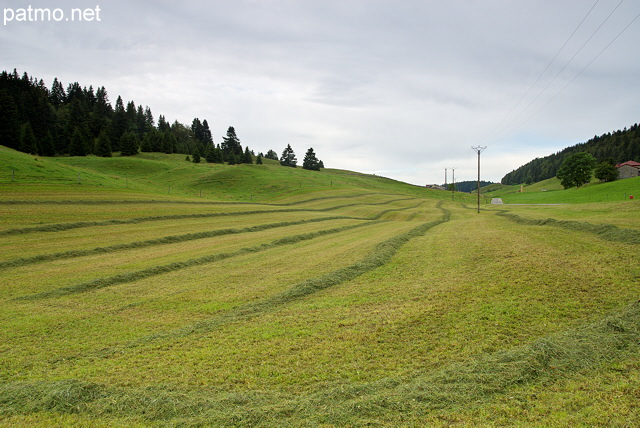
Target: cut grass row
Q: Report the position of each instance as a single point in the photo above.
(165, 240)
(366, 208)
(79, 238)
(604, 231)
(174, 266)
(620, 214)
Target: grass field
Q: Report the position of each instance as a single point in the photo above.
(269, 296)
(550, 191)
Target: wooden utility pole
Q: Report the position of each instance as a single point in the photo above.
(479, 150)
(453, 185)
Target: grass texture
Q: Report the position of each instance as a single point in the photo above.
(357, 302)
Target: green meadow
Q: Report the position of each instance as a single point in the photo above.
(151, 291)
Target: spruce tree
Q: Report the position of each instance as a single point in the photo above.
(46, 147)
(271, 154)
(118, 124)
(57, 96)
(28, 142)
(103, 145)
(209, 154)
(196, 155)
(206, 133)
(146, 145)
(129, 144)
(77, 144)
(169, 142)
(288, 157)
(310, 161)
(247, 157)
(9, 123)
(231, 145)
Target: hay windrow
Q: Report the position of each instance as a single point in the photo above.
(60, 227)
(172, 267)
(605, 231)
(172, 239)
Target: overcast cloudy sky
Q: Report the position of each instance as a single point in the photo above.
(399, 88)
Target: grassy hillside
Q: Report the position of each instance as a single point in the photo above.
(325, 299)
(155, 175)
(551, 191)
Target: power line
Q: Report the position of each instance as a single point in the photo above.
(542, 74)
(506, 127)
(576, 76)
(563, 68)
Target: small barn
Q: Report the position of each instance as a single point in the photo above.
(628, 169)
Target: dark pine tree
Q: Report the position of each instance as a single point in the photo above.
(103, 145)
(209, 153)
(77, 146)
(118, 125)
(196, 155)
(28, 143)
(288, 157)
(206, 134)
(163, 125)
(45, 146)
(271, 154)
(57, 95)
(310, 161)
(219, 155)
(231, 145)
(9, 124)
(247, 157)
(129, 144)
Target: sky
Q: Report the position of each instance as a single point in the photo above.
(398, 88)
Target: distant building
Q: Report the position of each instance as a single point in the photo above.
(628, 169)
(434, 186)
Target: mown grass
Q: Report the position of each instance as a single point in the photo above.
(360, 304)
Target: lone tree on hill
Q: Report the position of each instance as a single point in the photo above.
(576, 170)
(310, 161)
(288, 157)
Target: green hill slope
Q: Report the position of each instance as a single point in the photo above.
(160, 176)
(550, 191)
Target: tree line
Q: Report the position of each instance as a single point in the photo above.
(466, 186)
(80, 121)
(613, 147)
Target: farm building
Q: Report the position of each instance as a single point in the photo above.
(628, 169)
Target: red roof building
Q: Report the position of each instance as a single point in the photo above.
(628, 169)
